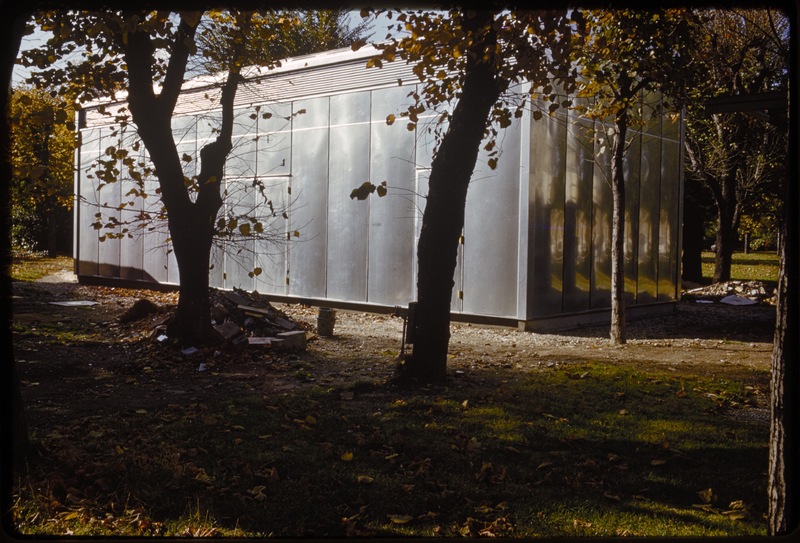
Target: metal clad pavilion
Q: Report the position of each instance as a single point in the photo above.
(536, 245)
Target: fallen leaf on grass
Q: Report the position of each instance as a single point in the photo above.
(347, 456)
(706, 496)
(737, 510)
(365, 479)
(401, 519)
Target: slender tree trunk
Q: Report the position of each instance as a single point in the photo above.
(618, 333)
(443, 218)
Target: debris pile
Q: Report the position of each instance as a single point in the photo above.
(244, 318)
(732, 293)
(241, 318)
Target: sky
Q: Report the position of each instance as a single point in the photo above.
(379, 30)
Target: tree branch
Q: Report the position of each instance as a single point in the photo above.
(178, 58)
(138, 55)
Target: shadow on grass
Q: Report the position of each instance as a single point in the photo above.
(589, 449)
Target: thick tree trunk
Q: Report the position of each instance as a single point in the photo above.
(14, 423)
(191, 242)
(725, 243)
(784, 446)
(618, 333)
(784, 393)
(728, 212)
(443, 218)
(191, 224)
(693, 233)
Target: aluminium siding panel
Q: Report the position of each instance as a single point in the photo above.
(391, 227)
(649, 203)
(491, 231)
(578, 213)
(631, 168)
(669, 217)
(271, 252)
(108, 199)
(548, 169)
(88, 248)
(348, 219)
(132, 244)
(601, 226)
(309, 183)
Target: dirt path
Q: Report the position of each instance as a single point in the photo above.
(96, 360)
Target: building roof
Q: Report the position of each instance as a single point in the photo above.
(330, 72)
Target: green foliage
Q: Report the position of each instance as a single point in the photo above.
(438, 44)
(624, 55)
(41, 154)
(273, 35)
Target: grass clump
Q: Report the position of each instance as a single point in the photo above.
(32, 267)
(760, 266)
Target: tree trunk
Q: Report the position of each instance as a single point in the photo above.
(191, 242)
(618, 334)
(784, 391)
(784, 446)
(443, 218)
(14, 422)
(191, 224)
(728, 213)
(693, 233)
(725, 243)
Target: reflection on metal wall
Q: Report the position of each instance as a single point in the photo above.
(537, 233)
(569, 242)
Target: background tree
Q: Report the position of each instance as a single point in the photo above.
(310, 31)
(623, 56)
(42, 156)
(698, 211)
(733, 154)
(464, 57)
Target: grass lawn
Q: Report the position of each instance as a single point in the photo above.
(585, 449)
(761, 266)
(569, 448)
